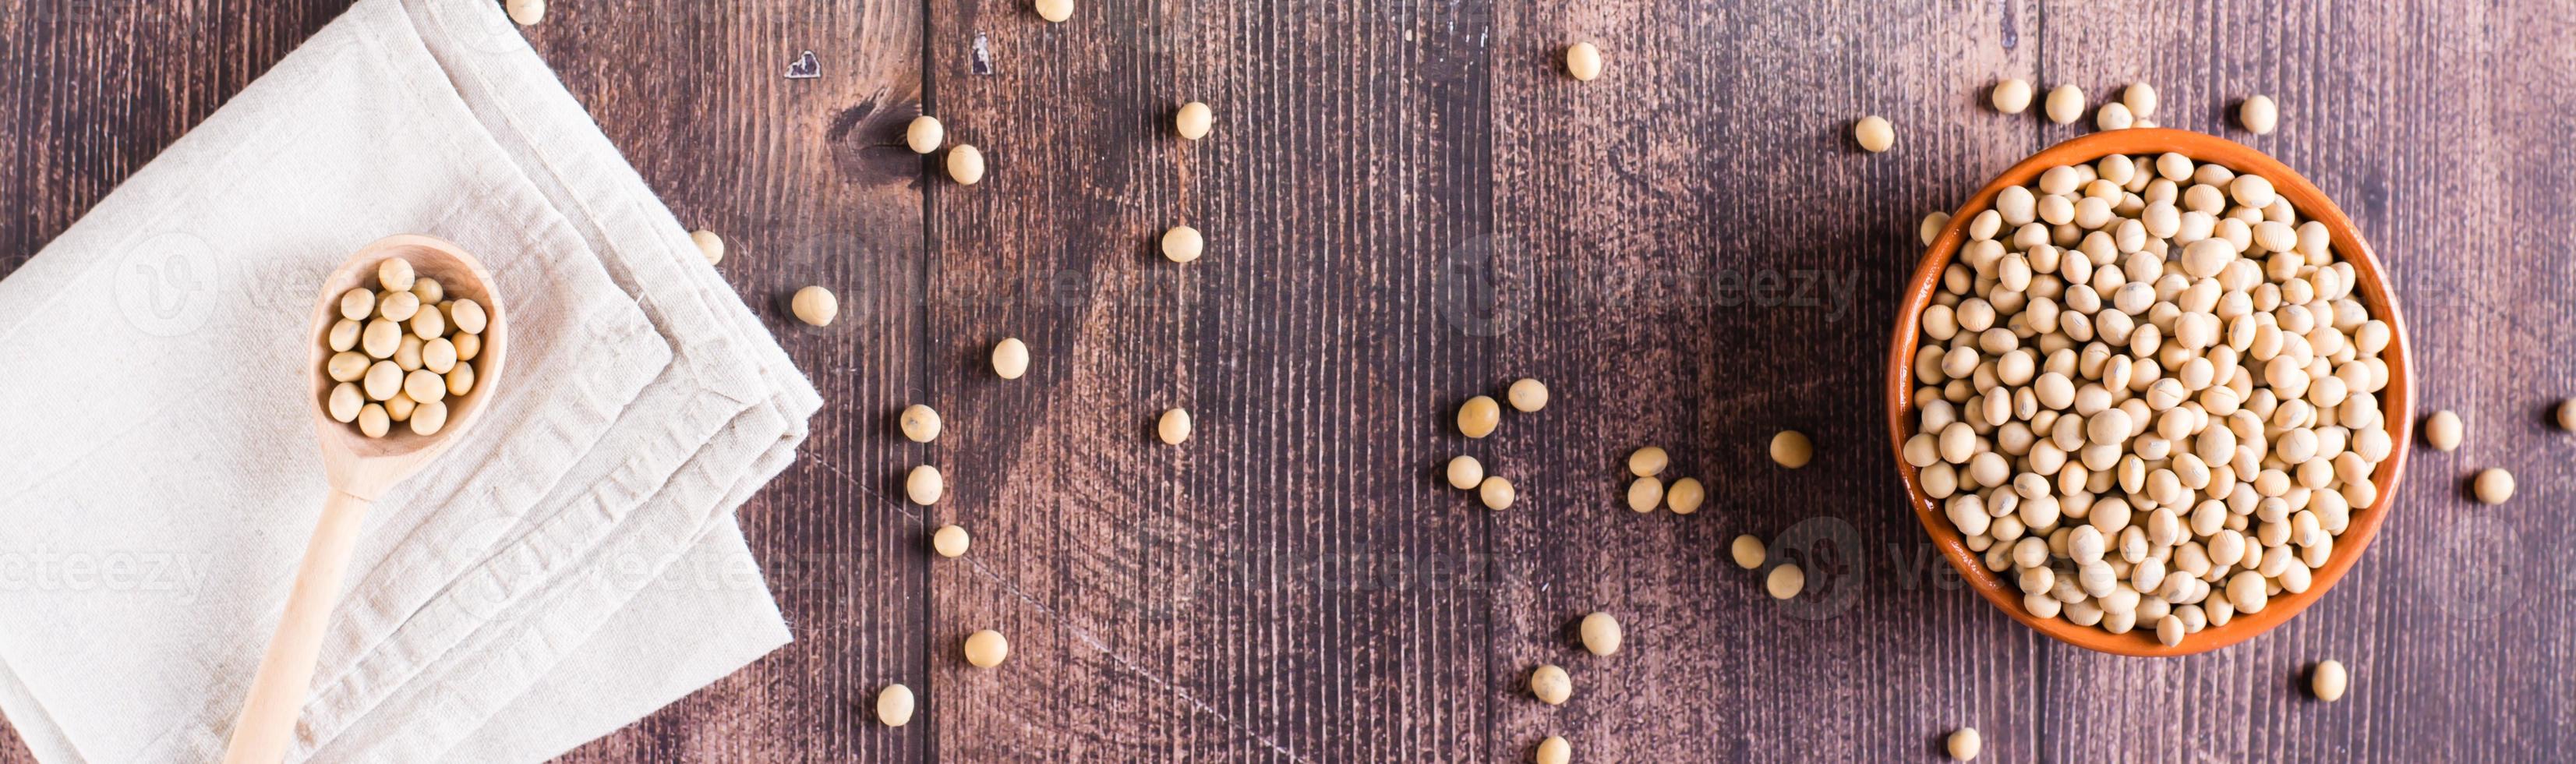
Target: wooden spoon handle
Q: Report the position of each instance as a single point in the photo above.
(267, 723)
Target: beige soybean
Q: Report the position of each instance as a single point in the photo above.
(1583, 60)
(345, 402)
(2493, 486)
(1791, 449)
(2443, 431)
(398, 306)
(1685, 496)
(348, 366)
(400, 407)
(429, 323)
(924, 134)
(1601, 633)
(1785, 581)
(1174, 427)
(2065, 104)
(1645, 494)
(344, 335)
(460, 380)
(710, 246)
(1465, 472)
(1930, 228)
(424, 386)
(1964, 744)
(429, 291)
(467, 346)
(2258, 115)
(987, 648)
(1183, 244)
(2567, 415)
(394, 274)
(438, 355)
(1194, 120)
(407, 355)
(1479, 416)
(1010, 358)
(924, 485)
(373, 421)
(965, 164)
(358, 304)
(381, 338)
(526, 13)
(1055, 11)
(383, 380)
(1648, 462)
(815, 305)
(1495, 492)
(1550, 685)
(1749, 552)
(467, 315)
(949, 541)
(428, 418)
(2328, 680)
(1874, 134)
(2112, 116)
(919, 423)
(1553, 750)
(1527, 395)
(894, 705)
(2140, 98)
(2011, 96)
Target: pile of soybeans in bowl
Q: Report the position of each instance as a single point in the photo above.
(2147, 394)
(399, 354)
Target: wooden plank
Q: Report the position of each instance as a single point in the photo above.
(808, 183)
(96, 89)
(2423, 129)
(1278, 587)
(1408, 206)
(1705, 255)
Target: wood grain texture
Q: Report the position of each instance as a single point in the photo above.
(807, 185)
(1706, 259)
(1410, 204)
(1260, 592)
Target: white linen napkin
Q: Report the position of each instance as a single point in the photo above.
(157, 471)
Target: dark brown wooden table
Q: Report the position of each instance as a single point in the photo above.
(1408, 204)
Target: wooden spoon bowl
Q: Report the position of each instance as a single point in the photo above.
(360, 469)
(2397, 400)
(365, 466)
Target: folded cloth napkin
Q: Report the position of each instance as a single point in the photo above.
(570, 565)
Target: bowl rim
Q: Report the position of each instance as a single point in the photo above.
(2397, 399)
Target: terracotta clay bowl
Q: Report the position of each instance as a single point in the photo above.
(2397, 400)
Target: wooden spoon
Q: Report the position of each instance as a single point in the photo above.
(360, 469)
